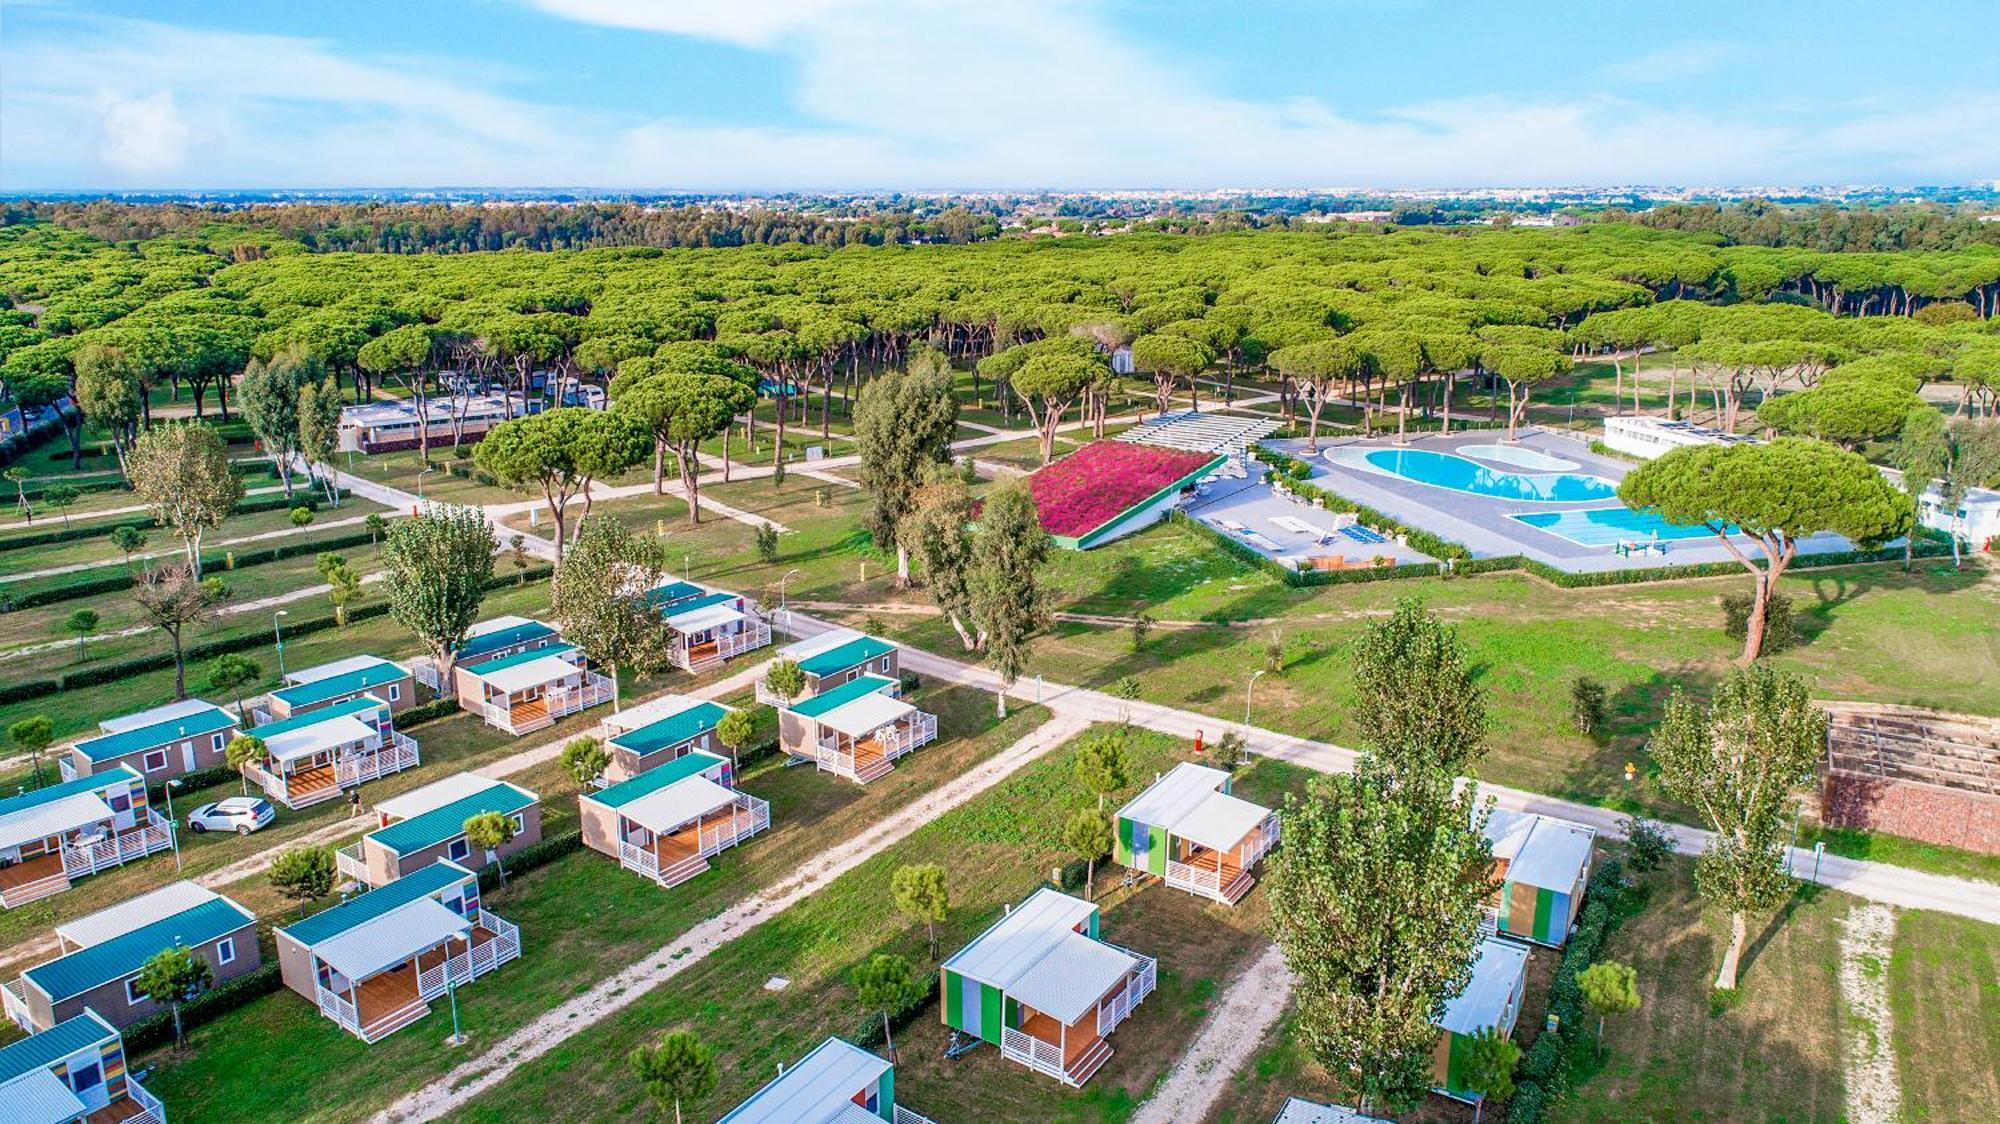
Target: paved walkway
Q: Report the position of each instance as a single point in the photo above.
(1231, 1033)
(265, 536)
(620, 990)
(101, 513)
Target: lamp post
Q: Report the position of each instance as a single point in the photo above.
(451, 989)
(1247, 687)
(420, 483)
(781, 590)
(173, 834)
(278, 631)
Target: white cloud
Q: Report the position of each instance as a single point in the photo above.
(143, 136)
(896, 93)
(1676, 63)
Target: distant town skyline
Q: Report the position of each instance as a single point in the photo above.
(770, 96)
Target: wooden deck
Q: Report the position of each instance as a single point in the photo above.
(529, 710)
(305, 782)
(124, 1108)
(30, 870)
(685, 844)
(1076, 1041)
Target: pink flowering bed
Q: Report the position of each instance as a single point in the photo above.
(1095, 484)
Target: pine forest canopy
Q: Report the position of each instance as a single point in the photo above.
(182, 305)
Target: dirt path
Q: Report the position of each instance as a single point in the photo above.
(1233, 1031)
(1874, 1095)
(622, 989)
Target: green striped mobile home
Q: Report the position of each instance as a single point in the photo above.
(1043, 987)
(1543, 864)
(1492, 998)
(1187, 829)
(838, 1083)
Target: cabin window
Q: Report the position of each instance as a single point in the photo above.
(225, 951)
(85, 1077)
(155, 760)
(520, 822)
(215, 742)
(885, 665)
(458, 849)
(120, 801)
(395, 692)
(133, 996)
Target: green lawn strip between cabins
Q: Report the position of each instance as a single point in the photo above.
(581, 918)
(995, 850)
(97, 550)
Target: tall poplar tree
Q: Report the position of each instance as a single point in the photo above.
(1009, 549)
(903, 424)
(438, 563)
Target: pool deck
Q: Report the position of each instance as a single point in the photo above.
(1483, 524)
(1254, 505)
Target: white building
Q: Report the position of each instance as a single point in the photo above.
(1976, 521)
(1649, 437)
(377, 427)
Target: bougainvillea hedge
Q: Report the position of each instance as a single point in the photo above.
(1094, 485)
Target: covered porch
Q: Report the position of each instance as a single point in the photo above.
(1214, 849)
(1070, 1003)
(670, 835)
(319, 761)
(705, 635)
(530, 696)
(379, 977)
(87, 839)
(862, 739)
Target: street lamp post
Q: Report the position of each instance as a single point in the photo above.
(278, 631)
(451, 989)
(1247, 687)
(420, 483)
(781, 590)
(172, 833)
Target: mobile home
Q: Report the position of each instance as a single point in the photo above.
(1543, 864)
(837, 1083)
(426, 824)
(1491, 999)
(53, 836)
(73, 1071)
(1187, 829)
(330, 749)
(339, 681)
(531, 689)
(658, 731)
(834, 657)
(166, 741)
(709, 626)
(856, 730)
(667, 823)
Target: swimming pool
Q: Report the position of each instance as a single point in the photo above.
(1517, 456)
(1446, 470)
(1609, 526)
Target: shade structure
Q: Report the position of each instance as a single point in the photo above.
(865, 715)
(318, 737)
(53, 818)
(40, 1097)
(1220, 821)
(1071, 977)
(684, 800)
(708, 616)
(390, 939)
(533, 673)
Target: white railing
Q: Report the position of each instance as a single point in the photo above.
(1194, 879)
(396, 753)
(918, 729)
(1118, 1007)
(121, 848)
(338, 1008)
(260, 715)
(754, 634)
(349, 863)
(66, 767)
(151, 1111)
(32, 891)
(505, 945)
(642, 859)
(14, 997)
(595, 690)
(1045, 1057)
(425, 670)
(712, 838)
(493, 714)
(905, 1116)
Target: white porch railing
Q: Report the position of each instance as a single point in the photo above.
(14, 997)
(26, 892)
(631, 856)
(425, 670)
(905, 1116)
(338, 1008)
(712, 838)
(918, 729)
(753, 635)
(348, 862)
(155, 834)
(1118, 1006)
(1043, 1057)
(151, 1111)
(68, 768)
(595, 690)
(397, 752)
(1203, 880)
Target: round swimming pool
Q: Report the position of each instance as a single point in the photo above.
(1517, 456)
(1446, 470)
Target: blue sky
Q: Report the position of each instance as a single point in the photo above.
(939, 94)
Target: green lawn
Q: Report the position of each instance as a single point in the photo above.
(97, 549)
(995, 849)
(1944, 998)
(581, 918)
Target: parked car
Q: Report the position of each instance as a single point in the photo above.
(240, 814)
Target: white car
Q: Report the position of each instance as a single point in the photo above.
(240, 814)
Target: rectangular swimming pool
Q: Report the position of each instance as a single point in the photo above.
(1609, 526)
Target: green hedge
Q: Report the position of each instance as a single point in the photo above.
(211, 565)
(156, 794)
(426, 712)
(1543, 1074)
(868, 1032)
(540, 853)
(250, 505)
(157, 1029)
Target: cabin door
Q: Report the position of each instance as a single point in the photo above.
(187, 756)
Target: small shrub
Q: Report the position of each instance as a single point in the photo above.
(1647, 844)
(302, 516)
(908, 682)
(778, 474)
(1780, 627)
(767, 543)
(1142, 626)
(1586, 705)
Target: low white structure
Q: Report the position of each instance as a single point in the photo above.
(1649, 437)
(378, 427)
(1976, 520)
(323, 753)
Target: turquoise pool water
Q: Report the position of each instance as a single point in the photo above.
(1609, 526)
(1445, 470)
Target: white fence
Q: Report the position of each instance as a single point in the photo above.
(156, 834)
(398, 752)
(709, 840)
(151, 1111)
(1043, 1057)
(349, 863)
(1118, 1007)
(896, 740)
(559, 702)
(14, 997)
